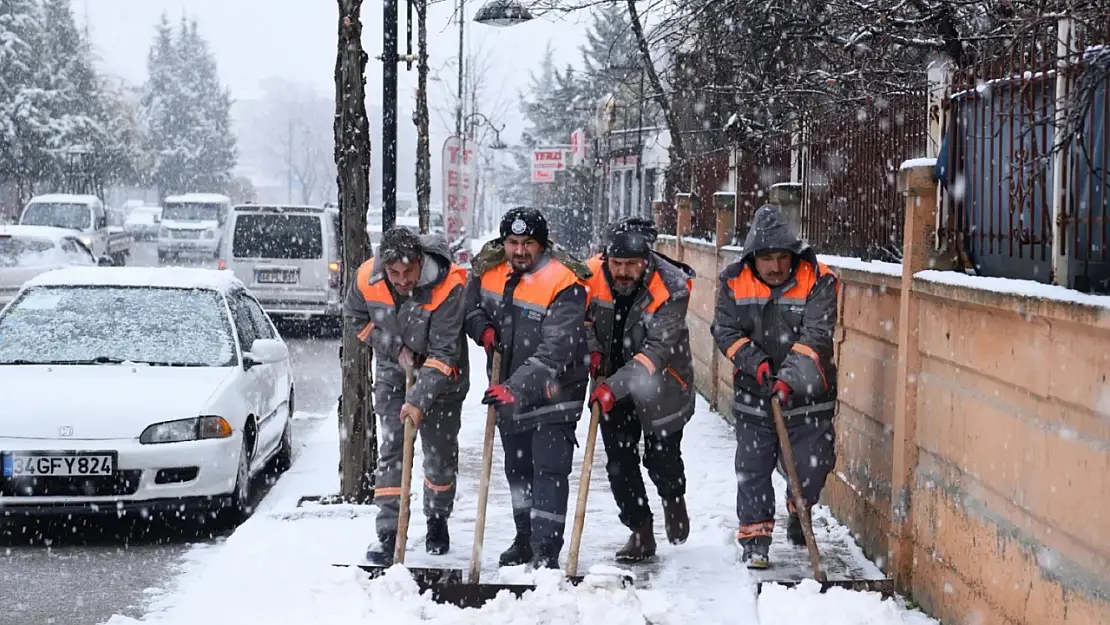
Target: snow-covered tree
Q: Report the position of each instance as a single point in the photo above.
(24, 120)
(187, 112)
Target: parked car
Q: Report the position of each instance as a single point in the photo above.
(27, 251)
(139, 390)
(87, 215)
(144, 222)
(290, 257)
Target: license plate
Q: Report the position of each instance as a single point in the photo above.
(276, 276)
(52, 464)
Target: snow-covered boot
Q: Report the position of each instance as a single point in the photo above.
(756, 551)
(438, 541)
(676, 520)
(381, 554)
(794, 530)
(520, 552)
(640, 545)
(547, 557)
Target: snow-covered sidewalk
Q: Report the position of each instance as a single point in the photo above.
(276, 569)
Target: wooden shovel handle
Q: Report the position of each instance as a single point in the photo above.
(483, 484)
(406, 480)
(583, 490)
(796, 486)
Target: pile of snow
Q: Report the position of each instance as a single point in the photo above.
(276, 569)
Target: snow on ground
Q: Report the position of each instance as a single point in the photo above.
(277, 568)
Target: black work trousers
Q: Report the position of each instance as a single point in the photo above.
(621, 432)
(537, 466)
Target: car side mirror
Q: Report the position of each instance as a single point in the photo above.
(105, 261)
(266, 351)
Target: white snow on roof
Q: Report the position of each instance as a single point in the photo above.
(42, 232)
(64, 198)
(166, 277)
(197, 198)
(919, 162)
(1011, 286)
(855, 264)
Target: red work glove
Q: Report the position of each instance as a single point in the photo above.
(595, 363)
(604, 398)
(783, 391)
(487, 340)
(763, 374)
(499, 395)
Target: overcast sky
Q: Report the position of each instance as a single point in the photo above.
(296, 40)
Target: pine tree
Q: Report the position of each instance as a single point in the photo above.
(25, 124)
(187, 113)
(611, 66)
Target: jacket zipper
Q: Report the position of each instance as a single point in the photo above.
(678, 378)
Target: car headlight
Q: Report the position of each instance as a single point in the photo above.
(186, 430)
(87, 241)
(210, 234)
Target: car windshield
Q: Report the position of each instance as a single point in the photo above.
(270, 235)
(191, 212)
(70, 216)
(107, 324)
(25, 251)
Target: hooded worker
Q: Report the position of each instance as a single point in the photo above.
(408, 304)
(640, 354)
(527, 304)
(775, 316)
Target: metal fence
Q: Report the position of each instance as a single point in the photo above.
(1024, 189)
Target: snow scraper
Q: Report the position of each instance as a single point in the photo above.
(446, 585)
(883, 586)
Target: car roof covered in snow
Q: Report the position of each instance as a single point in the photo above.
(41, 232)
(64, 198)
(158, 277)
(198, 198)
(281, 208)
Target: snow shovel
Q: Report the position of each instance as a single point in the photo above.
(882, 586)
(424, 577)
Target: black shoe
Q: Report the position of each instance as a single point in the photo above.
(438, 541)
(676, 520)
(381, 554)
(794, 531)
(640, 545)
(757, 551)
(520, 552)
(547, 557)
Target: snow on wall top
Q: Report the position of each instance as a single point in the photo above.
(161, 277)
(919, 162)
(1011, 286)
(43, 232)
(64, 198)
(205, 198)
(855, 264)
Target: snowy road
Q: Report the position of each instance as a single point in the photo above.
(277, 567)
(83, 575)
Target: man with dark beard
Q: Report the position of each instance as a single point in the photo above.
(640, 353)
(529, 305)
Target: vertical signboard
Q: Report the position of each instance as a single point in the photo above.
(460, 173)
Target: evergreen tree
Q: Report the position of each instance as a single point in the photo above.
(25, 124)
(612, 67)
(187, 113)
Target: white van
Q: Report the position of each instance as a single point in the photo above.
(193, 225)
(289, 257)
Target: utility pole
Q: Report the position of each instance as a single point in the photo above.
(423, 138)
(459, 105)
(389, 114)
(358, 430)
(289, 163)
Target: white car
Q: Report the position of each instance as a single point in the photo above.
(139, 391)
(27, 251)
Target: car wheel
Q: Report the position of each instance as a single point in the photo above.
(240, 508)
(283, 459)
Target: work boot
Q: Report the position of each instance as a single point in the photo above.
(520, 552)
(547, 557)
(640, 545)
(382, 553)
(676, 519)
(438, 540)
(794, 530)
(756, 551)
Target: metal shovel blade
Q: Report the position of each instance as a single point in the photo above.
(884, 587)
(425, 578)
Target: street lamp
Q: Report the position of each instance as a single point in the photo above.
(503, 13)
